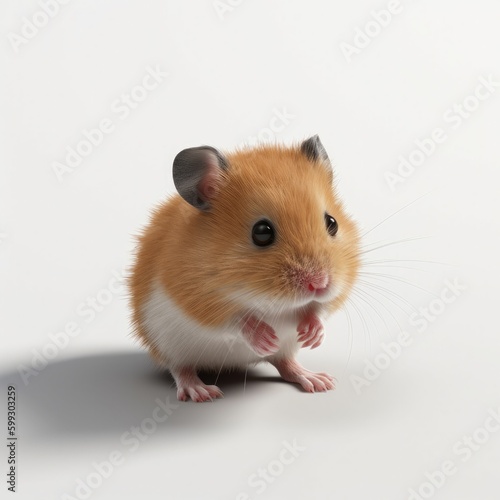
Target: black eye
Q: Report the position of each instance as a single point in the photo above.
(263, 233)
(331, 225)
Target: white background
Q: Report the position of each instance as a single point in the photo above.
(228, 73)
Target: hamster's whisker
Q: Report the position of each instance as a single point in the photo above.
(360, 294)
(361, 317)
(395, 213)
(350, 335)
(393, 317)
(245, 379)
(394, 266)
(352, 254)
(365, 250)
(363, 322)
(224, 360)
(381, 261)
(381, 276)
(380, 289)
(368, 313)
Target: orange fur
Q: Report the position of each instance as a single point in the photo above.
(206, 259)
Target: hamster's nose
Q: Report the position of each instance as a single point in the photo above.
(317, 281)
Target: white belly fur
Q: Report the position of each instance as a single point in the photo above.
(183, 342)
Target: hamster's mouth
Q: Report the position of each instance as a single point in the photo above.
(325, 294)
(289, 300)
(322, 292)
(321, 295)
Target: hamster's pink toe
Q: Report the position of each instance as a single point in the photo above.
(190, 386)
(200, 393)
(214, 392)
(181, 395)
(291, 371)
(311, 331)
(260, 336)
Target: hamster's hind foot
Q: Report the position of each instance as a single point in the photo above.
(190, 386)
(291, 371)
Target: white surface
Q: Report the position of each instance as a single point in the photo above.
(62, 241)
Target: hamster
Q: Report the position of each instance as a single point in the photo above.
(243, 264)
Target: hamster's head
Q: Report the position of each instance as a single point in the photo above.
(271, 223)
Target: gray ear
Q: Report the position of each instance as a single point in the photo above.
(314, 150)
(197, 174)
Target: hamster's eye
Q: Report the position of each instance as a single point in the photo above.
(263, 233)
(331, 225)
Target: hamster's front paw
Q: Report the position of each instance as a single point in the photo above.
(311, 331)
(260, 336)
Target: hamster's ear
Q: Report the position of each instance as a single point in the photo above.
(197, 175)
(314, 150)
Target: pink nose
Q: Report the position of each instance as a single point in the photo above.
(317, 281)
